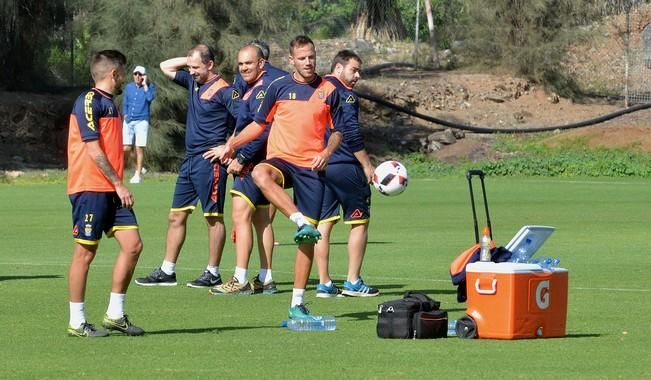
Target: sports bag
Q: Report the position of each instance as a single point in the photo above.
(415, 316)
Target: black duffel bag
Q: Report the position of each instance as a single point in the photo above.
(415, 316)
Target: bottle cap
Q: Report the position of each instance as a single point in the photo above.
(486, 231)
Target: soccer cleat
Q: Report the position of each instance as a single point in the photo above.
(260, 287)
(323, 291)
(300, 312)
(232, 287)
(307, 235)
(359, 290)
(122, 325)
(206, 280)
(157, 278)
(86, 330)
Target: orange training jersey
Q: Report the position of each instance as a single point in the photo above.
(94, 117)
(301, 113)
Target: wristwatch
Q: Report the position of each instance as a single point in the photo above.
(241, 159)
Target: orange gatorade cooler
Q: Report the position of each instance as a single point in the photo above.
(517, 300)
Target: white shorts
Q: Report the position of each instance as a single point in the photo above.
(135, 132)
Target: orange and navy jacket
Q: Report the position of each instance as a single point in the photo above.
(301, 114)
(94, 117)
(352, 141)
(212, 109)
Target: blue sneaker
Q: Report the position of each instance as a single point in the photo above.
(300, 312)
(324, 291)
(307, 235)
(359, 289)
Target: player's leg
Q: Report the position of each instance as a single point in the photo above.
(329, 216)
(183, 203)
(262, 220)
(127, 235)
(88, 210)
(210, 181)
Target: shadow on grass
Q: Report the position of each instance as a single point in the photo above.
(203, 330)
(338, 243)
(429, 292)
(32, 277)
(582, 336)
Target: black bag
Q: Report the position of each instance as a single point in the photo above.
(414, 316)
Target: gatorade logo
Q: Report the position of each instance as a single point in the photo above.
(542, 295)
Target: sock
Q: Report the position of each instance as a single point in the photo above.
(168, 267)
(354, 282)
(298, 218)
(214, 270)
(240, 275)
(297, 296)
(116, 306)
(265, 275)
(328, 284)
(77, 315)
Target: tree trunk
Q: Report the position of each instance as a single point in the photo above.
(432, 34)
(378, 19)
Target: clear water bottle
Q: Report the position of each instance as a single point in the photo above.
(452, 327)
(314, 323)
(549, 262)
(485, 245)
(519, 256)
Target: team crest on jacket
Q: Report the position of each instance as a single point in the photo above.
(235, 95)
(260, 95)
(350, 99)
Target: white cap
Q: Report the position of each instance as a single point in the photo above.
(140, 69)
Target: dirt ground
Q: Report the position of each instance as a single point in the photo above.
(33, 128)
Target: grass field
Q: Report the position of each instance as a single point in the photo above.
(602, 237)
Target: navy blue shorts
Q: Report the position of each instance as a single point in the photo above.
(346, 186)
(308, 186)
(200, 180)
(97, 212)
(245, 188)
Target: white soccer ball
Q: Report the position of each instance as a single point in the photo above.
(390, 178)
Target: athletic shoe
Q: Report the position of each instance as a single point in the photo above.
(260, 287)
(232, 287)
(299, 312)
(135, 179)
(323, 291)
(122, 325)
(157, 278)
(307, 235)
(86, 330)
(206, 280)
(143, 171)
(359, 290)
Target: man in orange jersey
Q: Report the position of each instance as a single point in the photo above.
(100, 201)
(302, 106)
(212, 108)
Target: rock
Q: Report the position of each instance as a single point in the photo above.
(444, 137)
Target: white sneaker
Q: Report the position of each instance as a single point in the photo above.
(135, 179)
(143, 171)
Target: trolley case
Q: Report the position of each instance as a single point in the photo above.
(470, 255)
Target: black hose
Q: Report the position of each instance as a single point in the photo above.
(470, 128)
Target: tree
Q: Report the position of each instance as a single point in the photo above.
(378, 19)
(432, 34)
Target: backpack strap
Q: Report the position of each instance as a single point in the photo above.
(426, 303)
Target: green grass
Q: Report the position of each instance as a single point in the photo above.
(602, 237)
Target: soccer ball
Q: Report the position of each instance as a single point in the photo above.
(390, 178)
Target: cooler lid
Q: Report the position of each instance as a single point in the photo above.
(491, 267)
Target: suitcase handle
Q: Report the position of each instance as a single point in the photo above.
(490, 291)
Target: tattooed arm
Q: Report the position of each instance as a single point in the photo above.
(97, 154)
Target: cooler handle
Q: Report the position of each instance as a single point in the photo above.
(492, 290)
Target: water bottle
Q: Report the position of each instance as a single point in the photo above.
(452, 327)
(485, 244)
(549, 263)
(519, 256)
(314, 323)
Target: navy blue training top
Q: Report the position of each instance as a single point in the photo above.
(212, 109)
(352, 141)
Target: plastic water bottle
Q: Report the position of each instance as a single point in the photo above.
(485, 244)
(452, 327)
(314, 323)
(549, 263)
